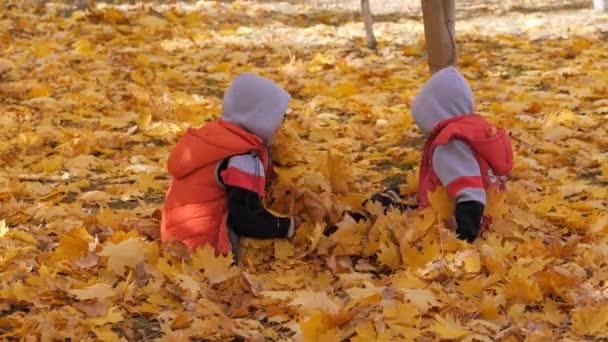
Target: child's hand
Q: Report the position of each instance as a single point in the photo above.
(298, 219)
(313, 206)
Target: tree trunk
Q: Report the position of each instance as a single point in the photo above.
(600, 5)
(81, 4)
(369, 24)
(439, 32)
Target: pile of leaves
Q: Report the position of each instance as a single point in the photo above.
(92, 103)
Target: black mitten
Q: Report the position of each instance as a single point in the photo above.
(468, 219)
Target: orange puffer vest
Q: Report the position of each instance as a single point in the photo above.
(196, 205)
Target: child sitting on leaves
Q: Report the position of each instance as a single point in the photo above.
(463, 152)
(220, 172)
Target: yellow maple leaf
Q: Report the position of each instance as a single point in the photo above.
(121, 236)
(82, 47)
(127, 253)
(590, 320)
(97, 291)
(347, 237)
(105, 334)
(344, 89)
(72, 245)
(147, 181)
(525, 267)
(522, 291)
(424, 299)
(492, 260)
(274, 212)
(364, 333)
(107, 217)
(469, 260)
(320, 327)
(114, 315)
(556, 280)
(182, 320)
(19, 291)
(403, 313)
(157, 300)
(551, 313)
(40, 91)
(95, 196)
(389, 255)
(41, 48)
(216, 268)
(424, 219)
(315, 236)
(338, 173)
(138, 76)
(448, 328)
(442, 203)
(471, 287)
(312, 301)
(600, 224)
(3, 228)
(283, 249)
(147, 308)
(51, 164)
(331, 335)
(408, 279)
(496, 206)
(186, 282)
(472, 262)
(418, 255)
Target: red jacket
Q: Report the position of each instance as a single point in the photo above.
(195, 208)
(490, 145)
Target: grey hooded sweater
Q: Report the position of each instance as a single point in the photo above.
(256, 104)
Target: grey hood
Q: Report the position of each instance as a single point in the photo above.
(256, 104)
(445, 95)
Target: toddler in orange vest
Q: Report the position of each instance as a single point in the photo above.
(463, 152)
(220, 172)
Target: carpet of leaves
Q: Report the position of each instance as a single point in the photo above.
(91, 104)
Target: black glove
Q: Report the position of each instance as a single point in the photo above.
(468, 219)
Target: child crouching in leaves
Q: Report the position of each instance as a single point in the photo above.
(220, 172)
(463, 152)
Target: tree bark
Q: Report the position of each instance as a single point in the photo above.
(81, 4)
(369, 24)
(600, 5)
(439, 32)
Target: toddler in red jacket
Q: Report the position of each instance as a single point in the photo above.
(463, 152)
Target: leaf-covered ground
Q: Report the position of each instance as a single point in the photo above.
(90, 106)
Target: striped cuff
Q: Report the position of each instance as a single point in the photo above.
(461, 183)
(291, 232)
(235, 177)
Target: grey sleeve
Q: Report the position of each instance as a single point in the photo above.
(453, 161)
